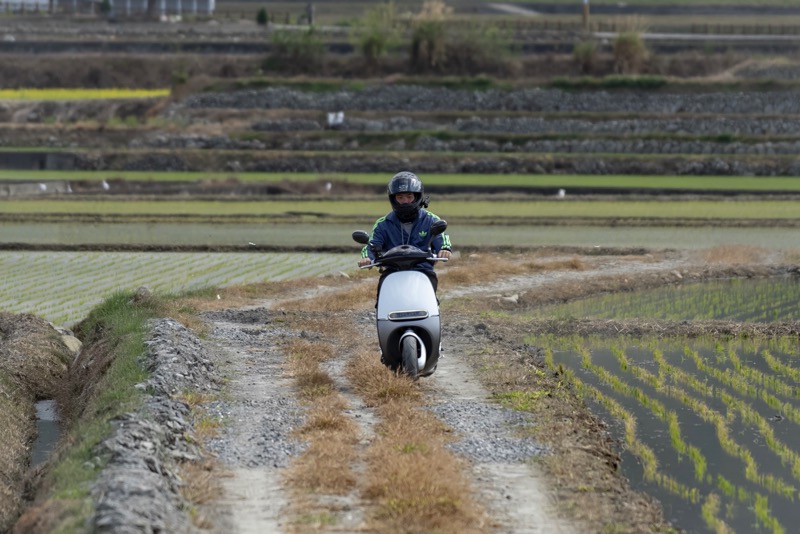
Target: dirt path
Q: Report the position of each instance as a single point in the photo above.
(259, 416)
(262, 414)
(517, 492)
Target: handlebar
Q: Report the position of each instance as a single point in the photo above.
(379, 263)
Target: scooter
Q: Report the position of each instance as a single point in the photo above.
(409, 329)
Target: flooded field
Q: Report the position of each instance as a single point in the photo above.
(63, 287)
(709, 424)
(338, 234)
(762, 300)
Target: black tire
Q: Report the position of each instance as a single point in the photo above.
(410, 354)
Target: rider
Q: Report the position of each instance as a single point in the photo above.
(409, 223)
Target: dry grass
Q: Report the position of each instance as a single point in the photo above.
(418, 484)
(354, 296)
(304, 363)
(17, 424)
(326, 466)
(734, 254)
(201, 485)
(482, 269)
(413, 482)
(376, 384)
(194, 399)
(242, 295)
(328, 415)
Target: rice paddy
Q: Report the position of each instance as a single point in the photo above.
(764, 300)
(63, 287)
(308, 235)
(709, 424)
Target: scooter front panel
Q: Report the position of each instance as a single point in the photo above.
(406, 291)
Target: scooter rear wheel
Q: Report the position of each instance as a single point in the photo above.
(410, 354)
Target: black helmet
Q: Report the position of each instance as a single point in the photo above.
(406, 182)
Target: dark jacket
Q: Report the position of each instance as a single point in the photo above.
(388, 232)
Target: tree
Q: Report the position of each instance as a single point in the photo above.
(261, 17)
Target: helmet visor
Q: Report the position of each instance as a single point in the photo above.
(408, 183)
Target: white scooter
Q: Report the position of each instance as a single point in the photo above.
(409, 330)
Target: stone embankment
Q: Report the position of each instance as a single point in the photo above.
(433, 129)
(525, 130)
(435, 99)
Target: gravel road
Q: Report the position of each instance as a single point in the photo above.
(258, 445)
(242, 361)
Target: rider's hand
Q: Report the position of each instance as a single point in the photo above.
(445, 254)
(364, 261)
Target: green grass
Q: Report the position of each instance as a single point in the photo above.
(124, 326)
(80, 94)
(623, 182)
(563, 209)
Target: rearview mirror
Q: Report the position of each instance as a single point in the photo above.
(360, 236)
(438, 227)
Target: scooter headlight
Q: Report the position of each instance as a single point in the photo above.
(411, 315)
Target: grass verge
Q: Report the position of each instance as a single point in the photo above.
(100, 387)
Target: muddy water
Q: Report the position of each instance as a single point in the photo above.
(47, 431)
(731, 454)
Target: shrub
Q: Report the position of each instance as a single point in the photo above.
(630, 53)
(296, 50)
(376, 33)
(476, 48)
(428, 38)
(585, 54)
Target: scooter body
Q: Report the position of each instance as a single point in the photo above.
(407, 308)
(409, 328)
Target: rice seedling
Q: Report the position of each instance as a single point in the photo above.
(84, 279)
(667, 381)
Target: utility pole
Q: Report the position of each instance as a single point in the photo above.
(585, 15)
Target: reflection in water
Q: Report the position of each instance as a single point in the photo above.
(47, 428)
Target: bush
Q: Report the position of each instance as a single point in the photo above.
(375, 34)
(300, 51)
(630, 53)
(476, 48)
(428, 38)
(585, 54)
